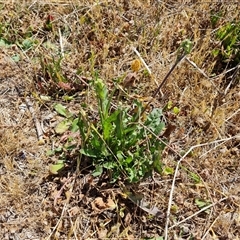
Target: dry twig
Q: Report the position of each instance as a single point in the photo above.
(174, 180)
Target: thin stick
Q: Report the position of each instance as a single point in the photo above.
(59, 220)
(204, 154)
(233, 78)
(36, 121)
(225, 72)
(206, 233)
(178, 60)
(174, 180)
(61, 42)
(203, 73)
(144, 64)
(196, 213)
(195, 66)
(232, 115)
(64, 208)
(37, 124)
(58, 195)
(142, 60)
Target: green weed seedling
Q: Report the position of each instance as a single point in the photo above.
(120, 143)
(229, 35)
(52, 69)
(55, 82)
(70, 124)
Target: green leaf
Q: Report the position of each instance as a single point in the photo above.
(74, 126)
(229, 35)
(16, 58)
(195, 177)
(67, 98)
(89, 152)
(215, 52)
(98, 171)
(215, 16)
(157, 164)
(120, 156)
(168, 171)
(103, 100)
(154, 121)
(58, 150)
(50, 153)
(108, 125)
(109, 165)
(169, 104)
(60, 109)
(128, 160)
(83, 125)
(63, 126)
(176, 110)
(45, 98)
(27, 43)
(51, 46)
(132, 175)
(4, 43)
(201, 203)
(55, 168)
(119, 127)
(107, 130)
(186, 45)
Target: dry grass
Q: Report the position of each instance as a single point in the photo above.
(92, 36)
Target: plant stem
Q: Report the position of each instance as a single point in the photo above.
(178, 60)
